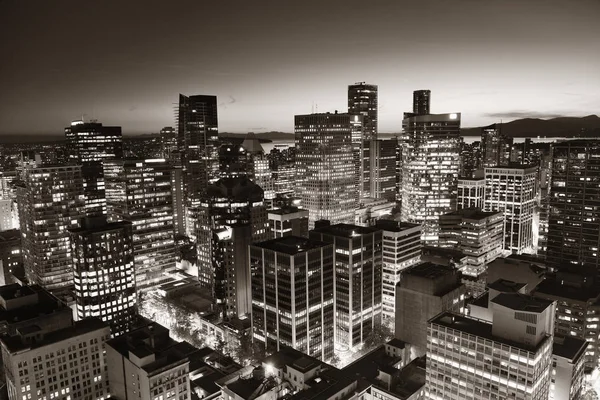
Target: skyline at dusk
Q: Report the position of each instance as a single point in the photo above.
(125, 64)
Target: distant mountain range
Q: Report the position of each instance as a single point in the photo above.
(567, 127)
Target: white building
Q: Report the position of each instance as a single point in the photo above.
(470, 193)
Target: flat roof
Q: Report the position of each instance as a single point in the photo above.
(395, 226)
(522, 302)
(287, 210)
(429, 270)
(346, 230)
(568, 347)
(478, 328)
(552, 287)
(473, 213)
(506, 286)
(291, 244)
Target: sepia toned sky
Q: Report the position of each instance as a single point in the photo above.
(124, 62)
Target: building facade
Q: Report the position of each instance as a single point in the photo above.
(288, 221)
(496, 147)
(471, 193)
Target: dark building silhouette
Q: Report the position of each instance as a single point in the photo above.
(421, 102)
(495, 146)
(88, 144)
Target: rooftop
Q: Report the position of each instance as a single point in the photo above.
(429, 270)
(473, 213)
(291, 245)
(10, 235)
(522, 302)
(287, 210)
(568, 347)
(553, 288)
(346, 230)
(478, 328)
(395, 226)
(506, 286)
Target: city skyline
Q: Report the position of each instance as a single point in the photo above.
(530, 60)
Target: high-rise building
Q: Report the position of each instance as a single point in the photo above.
(430, 157)
(513, 190)
(168, 145)
(293, 295)
(139, 191)
(401, 249)
(567, 368)
(6, 214)
(358, 291)
(496, 147)
(179, 210)
(288, 221)
(509, 358)
(147, 363)
(46, 354)
(198, 141)
(88, 144)
(424, 291)
(325, 168)
(227, 202)
(471, 192)
(231, 275)
(421, 102)
(574, 220)
(362, 101)
(478, 234)
(103, 272)
(385, 165)
(51, 201)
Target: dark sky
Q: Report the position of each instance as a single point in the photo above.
(125, 61)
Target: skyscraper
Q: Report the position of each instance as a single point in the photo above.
(358, 262)
(50, 201)
(496, 147)
(574, 220)
(471, 193)
(139, 191)
(324, 166)
(513, 191)
(288, 221)
(88, 144)
(292, 295)
(198, 140)
(103, 272)
(385, 165)
(421, 102)
(430, 162)
(362, 100)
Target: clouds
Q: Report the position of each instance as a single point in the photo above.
(231, 100)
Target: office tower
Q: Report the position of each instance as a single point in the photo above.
(284, 178)
(103, 272)
(567, 368)
(178, 190)
(401, 249)
(471, 193)
(425, 290)
(46, 354)
(234, 161)
(577, 310)
(10, 254)
(358, 291)
(231, 275)
(509, 358)
(573, 224)
(168, 145)
(362, 101)
(421, 102)
(478, 234)
(325, 170)
(227, 202)
(385, 164)
(139, 191)
(88, 144)
(51, 201)
(198, 141)
(293, 295)
(513, 191)
(147, 363)
(6, 214)
(496, 147)
(288, 221)
(430, 156)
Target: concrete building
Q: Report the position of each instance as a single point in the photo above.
(401, 249)
(147, 364)
(511, 357)
(103, 272)
(496, 147)
(325, 166)
(288, 221)
(513, 191)
(51, 201)
(358, 280)
(518, 268)
(10, 254)
(470, 193)
(45, 353)
(293, 295)
(140, 191)
(567, 380)
(424, 291)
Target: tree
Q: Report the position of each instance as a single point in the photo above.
(590, 394)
